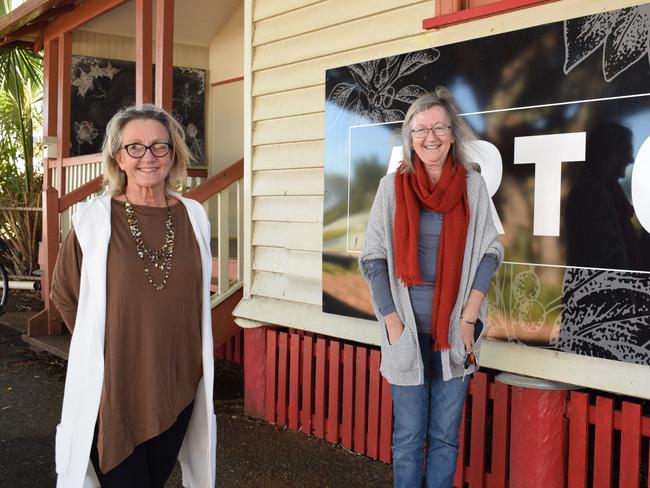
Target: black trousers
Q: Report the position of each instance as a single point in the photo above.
(151, 463)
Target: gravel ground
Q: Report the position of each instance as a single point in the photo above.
(250, 453)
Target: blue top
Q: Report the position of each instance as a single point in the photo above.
(421, 296)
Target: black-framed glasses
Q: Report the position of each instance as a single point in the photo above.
(158, 149)
(438, 130)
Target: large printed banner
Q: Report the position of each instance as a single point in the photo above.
(562, 113)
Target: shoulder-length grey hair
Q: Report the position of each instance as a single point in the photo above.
(460, 130)
(114, 178)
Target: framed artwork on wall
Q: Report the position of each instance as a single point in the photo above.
(100, 87)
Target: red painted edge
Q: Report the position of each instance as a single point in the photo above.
(255, 372)
(469, 14)
(386, 422)
(603, 442)
(283, 353)
(361, 392)
(307, 361)
(630, 456)
(500, 416)
(348, 396)
(319, 394)
(271, 378)
(578, 439)
(333, 392)
(373, 405)
(225, 82)
(294, 380)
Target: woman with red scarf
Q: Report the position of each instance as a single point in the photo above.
(431, 250)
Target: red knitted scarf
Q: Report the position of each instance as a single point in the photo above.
(448, 197)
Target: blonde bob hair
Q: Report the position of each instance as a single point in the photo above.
(461, 132)
(114, 178)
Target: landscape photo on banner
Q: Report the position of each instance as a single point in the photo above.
(562, 116)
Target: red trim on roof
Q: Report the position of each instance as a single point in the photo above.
(224, 82)
(487, 10)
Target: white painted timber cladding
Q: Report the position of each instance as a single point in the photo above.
(304, 236)
(321, 16)
(289, 209)
(268, 8)
(304, 264)
(293, 44)
(288, 182)
(394, 24)
(99, 45)
(308, 154)
(289, 129)
(294, 102)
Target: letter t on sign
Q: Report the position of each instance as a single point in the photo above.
(547, 153)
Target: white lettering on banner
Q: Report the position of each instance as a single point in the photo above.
(396, 157)
(488, 157)
(641, 185)
(547, 153)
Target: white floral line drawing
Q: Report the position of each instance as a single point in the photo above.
(84, 81)
(372, 96)
(623, 34)
(85, 133)
(517, 305)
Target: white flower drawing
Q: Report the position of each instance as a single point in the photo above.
(373, 95)
(622, 33)
(85, 132)
(84, 80)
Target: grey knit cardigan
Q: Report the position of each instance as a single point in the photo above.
(401, 362)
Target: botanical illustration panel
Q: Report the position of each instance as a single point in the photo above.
(100, 87)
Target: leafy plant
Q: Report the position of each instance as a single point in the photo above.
(21, 88)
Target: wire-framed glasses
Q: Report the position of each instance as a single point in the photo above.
(158, 149)
(439, 130)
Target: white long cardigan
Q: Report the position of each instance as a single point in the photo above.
(85, 376)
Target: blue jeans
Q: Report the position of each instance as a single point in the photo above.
(427, 415)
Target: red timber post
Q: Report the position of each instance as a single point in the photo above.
(143, 52)
(256, 371)
(164, 52)
(38, 325)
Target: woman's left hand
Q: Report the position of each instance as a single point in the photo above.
(468, 318)
(467, 334)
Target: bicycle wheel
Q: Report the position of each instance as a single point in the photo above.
(4, 292)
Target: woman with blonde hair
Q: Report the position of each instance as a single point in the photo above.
(429, 255)
(132, 284)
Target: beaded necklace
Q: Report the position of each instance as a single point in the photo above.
(161, 259)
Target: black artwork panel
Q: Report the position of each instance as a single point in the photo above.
(101, 87)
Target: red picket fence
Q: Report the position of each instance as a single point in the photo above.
(608, 442)
(232, 350)
(333, 390)
(329, 389)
